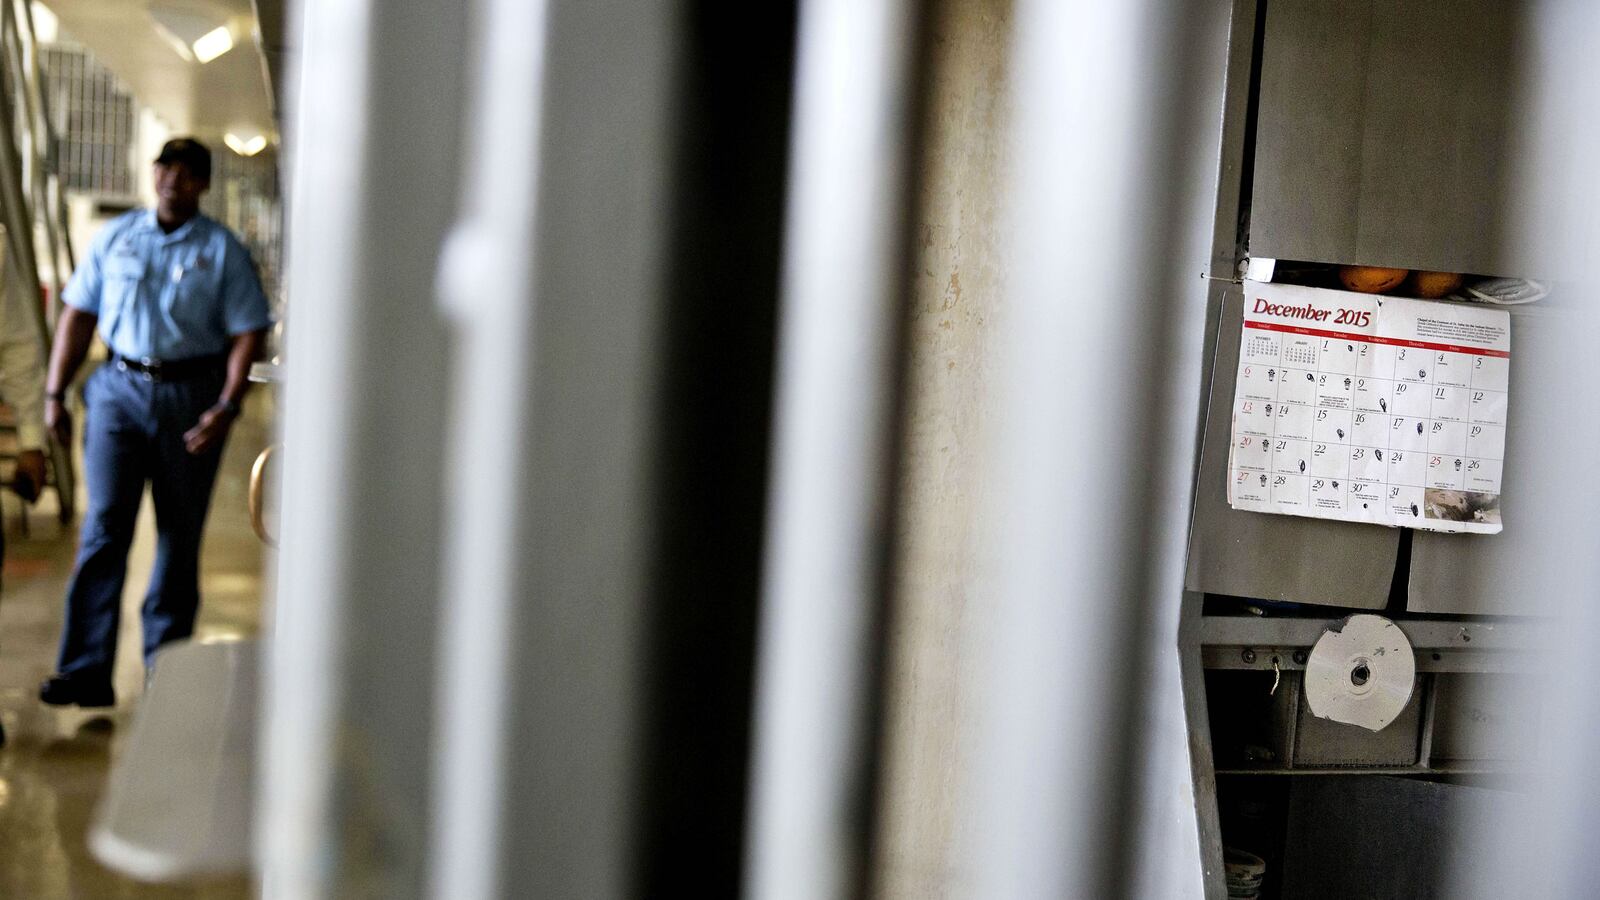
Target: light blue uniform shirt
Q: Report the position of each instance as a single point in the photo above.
(168, 296)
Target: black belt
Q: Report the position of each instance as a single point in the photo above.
(171, 369)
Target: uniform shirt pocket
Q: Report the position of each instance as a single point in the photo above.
(122, 275)
(193, 310)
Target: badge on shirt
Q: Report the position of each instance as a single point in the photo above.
(201, 264)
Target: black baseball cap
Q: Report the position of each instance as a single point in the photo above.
(193, 154)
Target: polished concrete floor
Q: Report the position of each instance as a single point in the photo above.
(54, 765)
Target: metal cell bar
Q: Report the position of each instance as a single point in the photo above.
(1551, 848)
(18, 215)
(24, 54)
(50, 144)
(59, 192)
(1068, 771)
(556, 279)
(491, 241)
(348, 725)
(832, 472)
(22, 261)
(304, 670)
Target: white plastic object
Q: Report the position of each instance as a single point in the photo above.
(1507, 291)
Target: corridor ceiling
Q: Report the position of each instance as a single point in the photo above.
(232, 92)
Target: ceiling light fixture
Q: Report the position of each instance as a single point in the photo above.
(245, 147)
(194, 36)
(213, 44)
(45, 24)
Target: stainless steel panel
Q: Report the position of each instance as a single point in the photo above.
(1515, 571)
(1385, 838)
(1322, 742)
(1477, 717)
(1274, 557)
(1386, 133)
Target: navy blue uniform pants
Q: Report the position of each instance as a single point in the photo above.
(132, 435)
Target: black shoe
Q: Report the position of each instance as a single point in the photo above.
(65, 690)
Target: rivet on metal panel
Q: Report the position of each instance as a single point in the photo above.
(1299, 657)
(1249, 656)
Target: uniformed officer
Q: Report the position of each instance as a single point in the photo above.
(176, 299)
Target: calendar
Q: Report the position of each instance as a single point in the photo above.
(1370, 409)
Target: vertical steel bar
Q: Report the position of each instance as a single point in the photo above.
(50, 142)
(37, 134)
(1080, 739)
(832, 472)
(556, 280)
(350, 686)
(1545, 842)
(304, 681)
(18, 216)
(486, 284)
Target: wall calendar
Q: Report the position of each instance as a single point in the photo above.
(1373, 409)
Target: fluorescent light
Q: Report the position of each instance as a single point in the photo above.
(195, 36)
(245, 147)
(45, 24)
(213, 44)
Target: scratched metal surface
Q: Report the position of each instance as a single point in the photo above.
(1521, 570)
(1384, 139)
(1269, 557)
